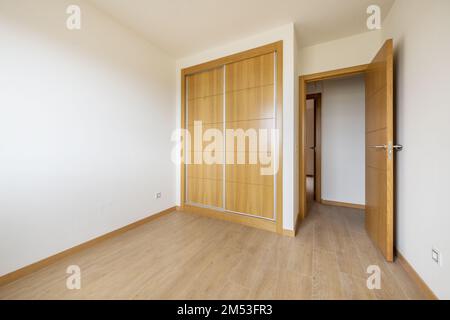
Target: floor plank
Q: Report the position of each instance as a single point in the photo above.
(184, 256)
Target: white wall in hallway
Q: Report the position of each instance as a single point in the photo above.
(85, 126)
(421, 33)
(343, 139)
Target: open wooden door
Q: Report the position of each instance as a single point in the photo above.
(380, 151)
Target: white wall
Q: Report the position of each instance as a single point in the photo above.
(343, 139)
(285, 33)
(421, 33)
(342, 53)
(296, 170)
(85, 125)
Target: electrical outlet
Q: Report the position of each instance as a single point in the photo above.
(436, 256)
(158, 195)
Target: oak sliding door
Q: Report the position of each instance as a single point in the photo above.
(250, 105)
(205, 95)
(232, 111)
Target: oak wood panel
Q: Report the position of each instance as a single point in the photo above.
(251, 199)
(205, 191)
(205, 103)
(201, 171)
(250, 96)
(376, 157)
(261, 77)
(249, 173)
(379, 166)
(250, 104)
(250, 73)
(344, 72)
(250, 135)
(206, 134)
(207, 109)
(376, 114)
(205, 84)
(279, 120)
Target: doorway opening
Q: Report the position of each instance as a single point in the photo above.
(378, 145)
(335, 142)
(313, 148)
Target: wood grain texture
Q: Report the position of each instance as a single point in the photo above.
(343, 204)
(205, 105)
(10, 277)
(205, 84)
(251, 83)
(205, 191)
(189, 256)
(344, 72)
(250, 73)
(250, 96)
(379, 165)
(250, 104)
(427, 292)
(252, 199)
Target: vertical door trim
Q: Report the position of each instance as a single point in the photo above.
(317, 97)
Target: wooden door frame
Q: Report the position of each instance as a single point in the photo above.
(246, 220)
(317, 97)
(303, 81)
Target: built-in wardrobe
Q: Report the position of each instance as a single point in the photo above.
(242, 91)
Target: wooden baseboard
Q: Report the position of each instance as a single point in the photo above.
(289, 233)
(415, 277)
(293, 233)
(236, 218)
(10, 277)
(343, 204)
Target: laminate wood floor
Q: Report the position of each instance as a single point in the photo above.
(184, 256)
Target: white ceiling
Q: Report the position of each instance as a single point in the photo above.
(184, 27)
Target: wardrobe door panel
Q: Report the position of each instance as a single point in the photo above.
(250, 104)
(205, 84)
(208, 110)
(250, 73)
(250, 98)
(207, 192)
(251, 199)
(204, 171)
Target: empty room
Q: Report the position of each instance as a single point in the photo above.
(224, 150)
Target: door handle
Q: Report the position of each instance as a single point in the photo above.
(397, 147)
(381, 146)
(390, 148)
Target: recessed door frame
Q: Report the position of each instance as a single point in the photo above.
(317, 97)
(303, 81)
